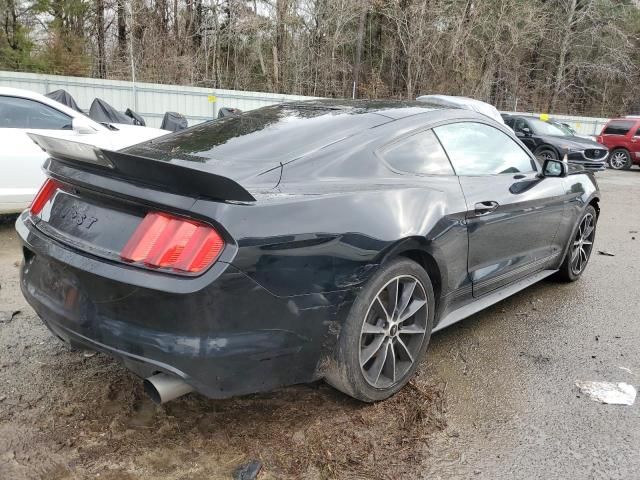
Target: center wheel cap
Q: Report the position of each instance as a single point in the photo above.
(393, 331)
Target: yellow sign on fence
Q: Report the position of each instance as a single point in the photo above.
(211, 98)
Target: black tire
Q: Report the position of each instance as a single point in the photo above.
(568, 272)
(398, 354)
(619, 159)
(547, 153)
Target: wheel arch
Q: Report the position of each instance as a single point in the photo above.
(417, 250)
(547, 146)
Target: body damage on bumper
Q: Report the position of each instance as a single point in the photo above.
(230, 337)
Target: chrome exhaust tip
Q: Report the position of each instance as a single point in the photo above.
(163, 388)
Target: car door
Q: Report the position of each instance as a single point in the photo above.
(513, 214)
(21, 160)
(525, 133)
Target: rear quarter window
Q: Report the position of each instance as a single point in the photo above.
(420, 154)
(618, 127)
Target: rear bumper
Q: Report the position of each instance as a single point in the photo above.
(227, 337)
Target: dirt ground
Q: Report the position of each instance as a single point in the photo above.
(69, 415)
(495, 397)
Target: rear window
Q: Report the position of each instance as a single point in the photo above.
(279, 133)
(618, 127)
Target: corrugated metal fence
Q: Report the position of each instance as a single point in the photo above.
(152, 100)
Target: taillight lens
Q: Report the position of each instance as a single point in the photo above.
(45, 193)
(165, 241)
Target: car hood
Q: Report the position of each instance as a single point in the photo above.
(573, 142)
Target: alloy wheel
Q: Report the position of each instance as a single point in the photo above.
(618, 160)
(393, 331)
(582, 244)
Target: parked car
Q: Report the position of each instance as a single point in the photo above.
(622, 137)
(548, 142)
(296, 242)
(23, 111)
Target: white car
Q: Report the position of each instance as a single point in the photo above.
(23, 111)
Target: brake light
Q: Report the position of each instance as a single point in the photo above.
(45, 193)
(165, 241)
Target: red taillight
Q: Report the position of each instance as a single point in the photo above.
(45, 193)
(164, 241)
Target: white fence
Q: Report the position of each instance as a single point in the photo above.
(152, 100)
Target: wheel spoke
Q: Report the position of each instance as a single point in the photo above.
(378, 363)
(392, 290)
(407, 293)
(368, 328)
(391, 359)
(411, 330)
(379, 306)
(574, 254)
(371, 349)
(412, 309)
(588, 231)
(406, 350)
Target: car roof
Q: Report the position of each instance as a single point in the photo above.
(394, 109)
(280, 132)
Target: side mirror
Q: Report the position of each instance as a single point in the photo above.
(526, 131)
(554, 168)
(82, 126)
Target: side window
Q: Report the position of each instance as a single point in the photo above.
(421, 154)
(478, 149)
(521, 125)
(617, 127)
(24, 113)
(637, 133)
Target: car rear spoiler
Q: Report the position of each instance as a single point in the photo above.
(166, 176)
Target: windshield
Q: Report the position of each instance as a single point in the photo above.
(543, 128)
(565, 128)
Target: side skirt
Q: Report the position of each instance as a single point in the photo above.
(490, 298)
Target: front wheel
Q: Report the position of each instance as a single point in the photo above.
(620, 159)
(546, 154)
(580, 247)
(386, 333)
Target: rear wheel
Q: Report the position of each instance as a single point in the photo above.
(386, 333)
(620, 159)
(577, 257)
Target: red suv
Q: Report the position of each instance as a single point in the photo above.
(622, 136)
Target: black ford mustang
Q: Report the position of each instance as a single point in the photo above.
(296, 242)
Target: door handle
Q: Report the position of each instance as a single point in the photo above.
(483, 208)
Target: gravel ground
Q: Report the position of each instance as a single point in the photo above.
(495, 397)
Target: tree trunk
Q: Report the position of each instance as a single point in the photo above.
(102, 61)
(121, 13)
(360, 37)
(282, 7)
(562, 56)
